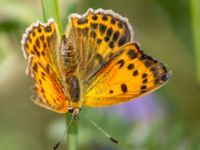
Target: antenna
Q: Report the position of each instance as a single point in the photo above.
(66, 131)
(104, 132)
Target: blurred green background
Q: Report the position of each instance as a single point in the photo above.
(168, 119)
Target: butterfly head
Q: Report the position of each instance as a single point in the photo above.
(75, 112)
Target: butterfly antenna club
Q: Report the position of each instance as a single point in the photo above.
(104, 132)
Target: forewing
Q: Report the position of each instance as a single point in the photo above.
(97, 35)
(128, 75)
(42, 41)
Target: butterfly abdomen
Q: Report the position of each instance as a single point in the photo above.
(74, 88)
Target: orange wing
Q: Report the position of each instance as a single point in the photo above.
(111, 67)
(97, 35)
(42, 41)
(50, 92)
(128, 75)
(40, 46)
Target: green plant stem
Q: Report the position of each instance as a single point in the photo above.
(51, 10)
(72, 133)
(195, 20)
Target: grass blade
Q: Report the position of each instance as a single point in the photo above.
(195, 21)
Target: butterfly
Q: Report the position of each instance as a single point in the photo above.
(95, 63)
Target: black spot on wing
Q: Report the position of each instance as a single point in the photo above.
(111, 44)
(94, 17)
(115, 36)
(109, 31)
(135, 73)
(47, 68)
(82, 20)
(113, 21)
(37, 42)
(48, 29)
(143, 87)
(132, 54)
(43, 53)
(33, 34)
(99, 41)
(123, 88)
(39, 29)
(35, 67)
(145, 80)
(93, 34)
(107, 38)
(105, 17)
(102, 28)
(94, 26)
(144, 75)
(124, 38)
(121, 24)
(148, 63)
(42, 38)
(122, 41)
(130, 66)
(36, 50)
(44, 46)
(29, 39)
(111, 91)
(121, 63)
(40, 81)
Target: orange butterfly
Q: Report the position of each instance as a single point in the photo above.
(95, 63)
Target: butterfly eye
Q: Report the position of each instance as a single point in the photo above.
(71, 110)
